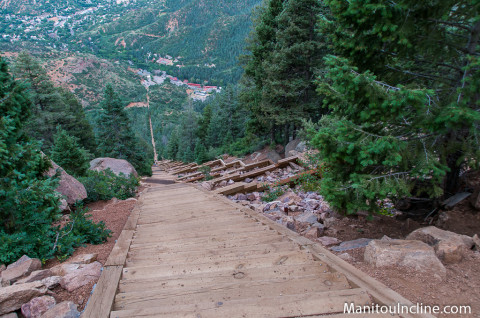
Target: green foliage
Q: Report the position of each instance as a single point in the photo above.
(402, 107)
(279, 87)
(51, 107)
(69, 155)
(205, 170)
(78, 231)
(28, 201)
(104, 185)
(308, 182)
(272, 193)
(200, 153)
(116, 138)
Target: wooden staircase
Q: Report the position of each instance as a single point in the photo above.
(187, 252)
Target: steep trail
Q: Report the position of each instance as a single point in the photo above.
(186, 252)
(155, 158)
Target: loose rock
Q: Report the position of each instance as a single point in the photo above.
(36, 275)
(21, 268)
(65, 309)
(328, 241)
(51, 282)
(37, 306)
(84, 259)
(406, 253)
(449, 247)
(13, 297)
(350, 245)
(82, 276)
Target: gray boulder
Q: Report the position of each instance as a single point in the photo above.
(116, 165)
(416, 255)
(449, 247)
(69, 187)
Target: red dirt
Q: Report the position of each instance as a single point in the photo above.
(114, 213)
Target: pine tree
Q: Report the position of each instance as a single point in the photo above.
(200, 153)
(28, 201)
(69, 155)
(261, 44)
(401, 91)
(115, 136)
(51, 106)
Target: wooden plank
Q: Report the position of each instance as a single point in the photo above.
(224, 292)
(245, 276)
(267, 306)
(151, 271)
(119, 252)
(100, 303)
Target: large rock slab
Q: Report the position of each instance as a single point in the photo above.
(84, 259)
(350, 245)
(416, 255)
(36, 307)
(9, 315)
(83, 275)
(72, 189)
(116, 165)
(35, 275)
(65, 309)
(21, 268)
(13, 297)
(449, 246)
(291, 146)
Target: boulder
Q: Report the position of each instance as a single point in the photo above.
(2, 268)
(289, 197)
(328, 241)
(207, 185)
(273, 155)
(307, 217)
(21, 268)
(476, 240)
(51, 282)
(72, 189)
(328, 222)
(65, 309)
(64, 269)
(9, 315)
(37, 306)
(350, 245)
(291, 147)
(13, 297)
(315, 231)
(449, 247)
(83, 275)
(84, 259)
(416, 255)
(116, 165)
(36, 275)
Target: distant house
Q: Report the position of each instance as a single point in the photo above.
(164, 61)
(195, 86)
(210, 89)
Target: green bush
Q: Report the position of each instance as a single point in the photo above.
(104, 185)
(77, 232)
(273, 192)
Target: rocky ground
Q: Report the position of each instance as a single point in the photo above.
(57, 289)
(420, 259)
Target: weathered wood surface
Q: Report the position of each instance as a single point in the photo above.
(195, 254)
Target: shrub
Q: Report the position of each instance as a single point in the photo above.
(77, 232)
(273, 192)
(104, 185)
